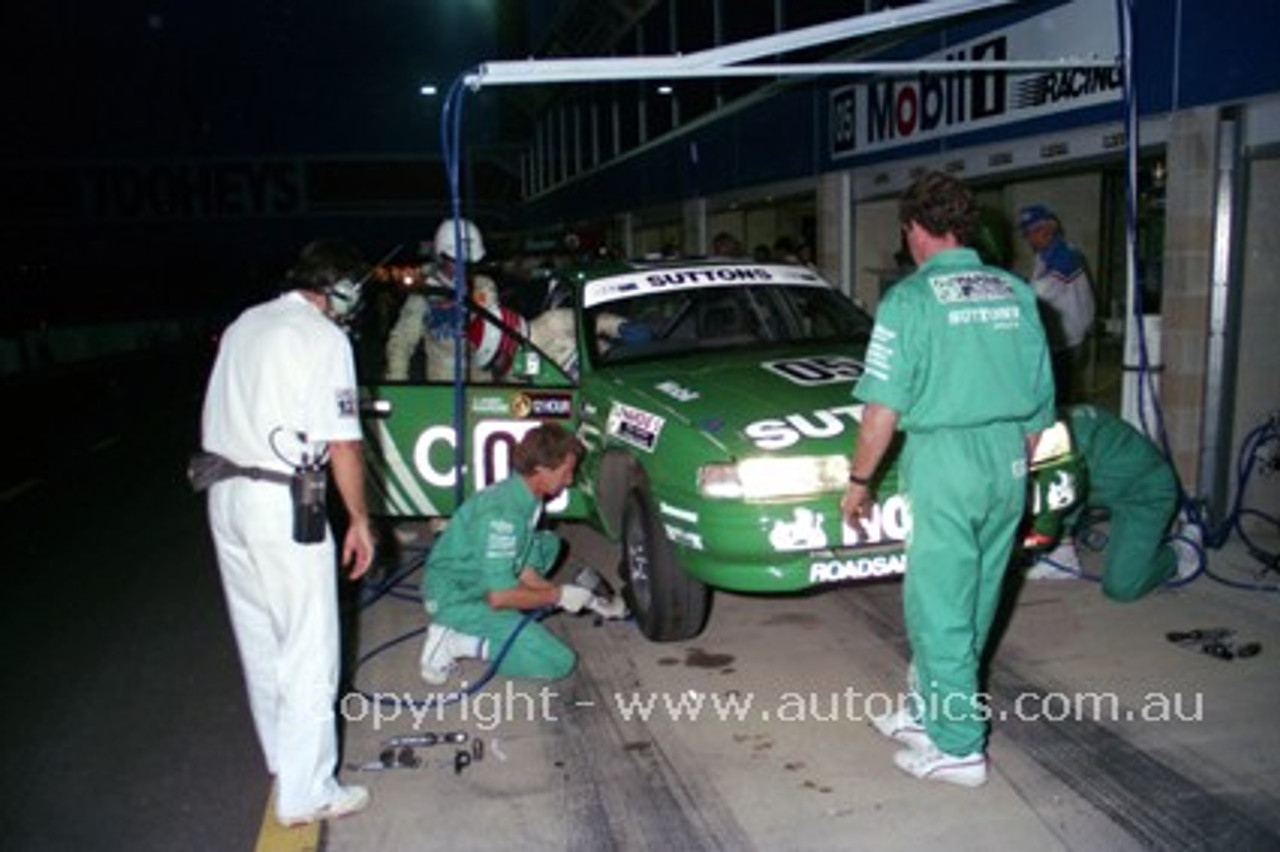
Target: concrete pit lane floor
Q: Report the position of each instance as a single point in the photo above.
(753, 735)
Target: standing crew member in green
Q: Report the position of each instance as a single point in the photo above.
(958, 361)
(491, 563)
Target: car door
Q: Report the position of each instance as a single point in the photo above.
(429, 445)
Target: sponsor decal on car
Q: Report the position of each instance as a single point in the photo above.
(688, 538)
(641, 429)
(802, 532)
(490, 405)
(686, 515)
(780, 433)
(813, 370)
(1059, 493)
(887, 521)
(857, 568)
(491, 444)
(677, 391)
(542, 405)
(626, 286)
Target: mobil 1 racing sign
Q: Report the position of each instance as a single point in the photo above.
(906, 109)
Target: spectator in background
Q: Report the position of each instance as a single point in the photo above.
(726, 244)
(784, 250)
(1066, 293)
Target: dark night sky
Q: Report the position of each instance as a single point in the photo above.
(236, 77)
(97, 84)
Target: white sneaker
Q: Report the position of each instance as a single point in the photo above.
(1048, 571)
(901, 727)
(931, 764)
(443, 648)
(437, 662)
(347, 799)
(1190, 560)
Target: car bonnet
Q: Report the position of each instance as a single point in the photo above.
(797, 403)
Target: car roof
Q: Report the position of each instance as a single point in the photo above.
(607, 281)
(582, 273)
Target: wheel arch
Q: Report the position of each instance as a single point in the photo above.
(619, 473)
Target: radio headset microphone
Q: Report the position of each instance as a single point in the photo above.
(345, 294)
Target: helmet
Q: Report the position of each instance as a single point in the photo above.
(446, 242)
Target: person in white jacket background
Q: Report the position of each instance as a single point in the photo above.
(1061, 281)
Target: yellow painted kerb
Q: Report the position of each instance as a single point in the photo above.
(274, 837)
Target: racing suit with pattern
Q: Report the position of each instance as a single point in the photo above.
(429, 322)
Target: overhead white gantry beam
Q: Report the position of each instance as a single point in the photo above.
(724, 61)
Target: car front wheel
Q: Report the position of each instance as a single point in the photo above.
(667, 603)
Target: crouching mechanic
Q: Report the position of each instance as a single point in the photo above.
(490, 565)
(1134, 483)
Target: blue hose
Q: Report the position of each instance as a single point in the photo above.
(391, 587)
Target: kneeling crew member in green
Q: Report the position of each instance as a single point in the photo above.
(491, 562)
(1129, 477)
(958, 360)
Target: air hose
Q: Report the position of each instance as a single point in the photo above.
(392, 587)
(1200, 537)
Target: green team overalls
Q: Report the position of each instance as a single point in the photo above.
(959, 353)
(1129, 477)
(491, 539)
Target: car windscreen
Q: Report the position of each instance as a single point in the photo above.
(672, 322)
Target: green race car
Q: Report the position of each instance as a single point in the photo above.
(714, 399)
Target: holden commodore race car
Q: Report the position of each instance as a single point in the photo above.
(715, 403)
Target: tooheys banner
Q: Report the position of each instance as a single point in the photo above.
(890, 112)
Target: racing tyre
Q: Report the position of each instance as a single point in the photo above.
(667, 603)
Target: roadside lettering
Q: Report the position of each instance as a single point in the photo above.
(857, 568)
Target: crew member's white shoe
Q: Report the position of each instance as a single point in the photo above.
(932, 764)
(442, 649)
(347, 799)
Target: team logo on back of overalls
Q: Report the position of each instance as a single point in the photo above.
(970, 287)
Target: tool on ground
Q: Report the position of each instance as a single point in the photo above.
(403, 757)
(426, 740)
(1204, 634)
(1214, 641)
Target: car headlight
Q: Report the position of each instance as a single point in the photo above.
(769, 478)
